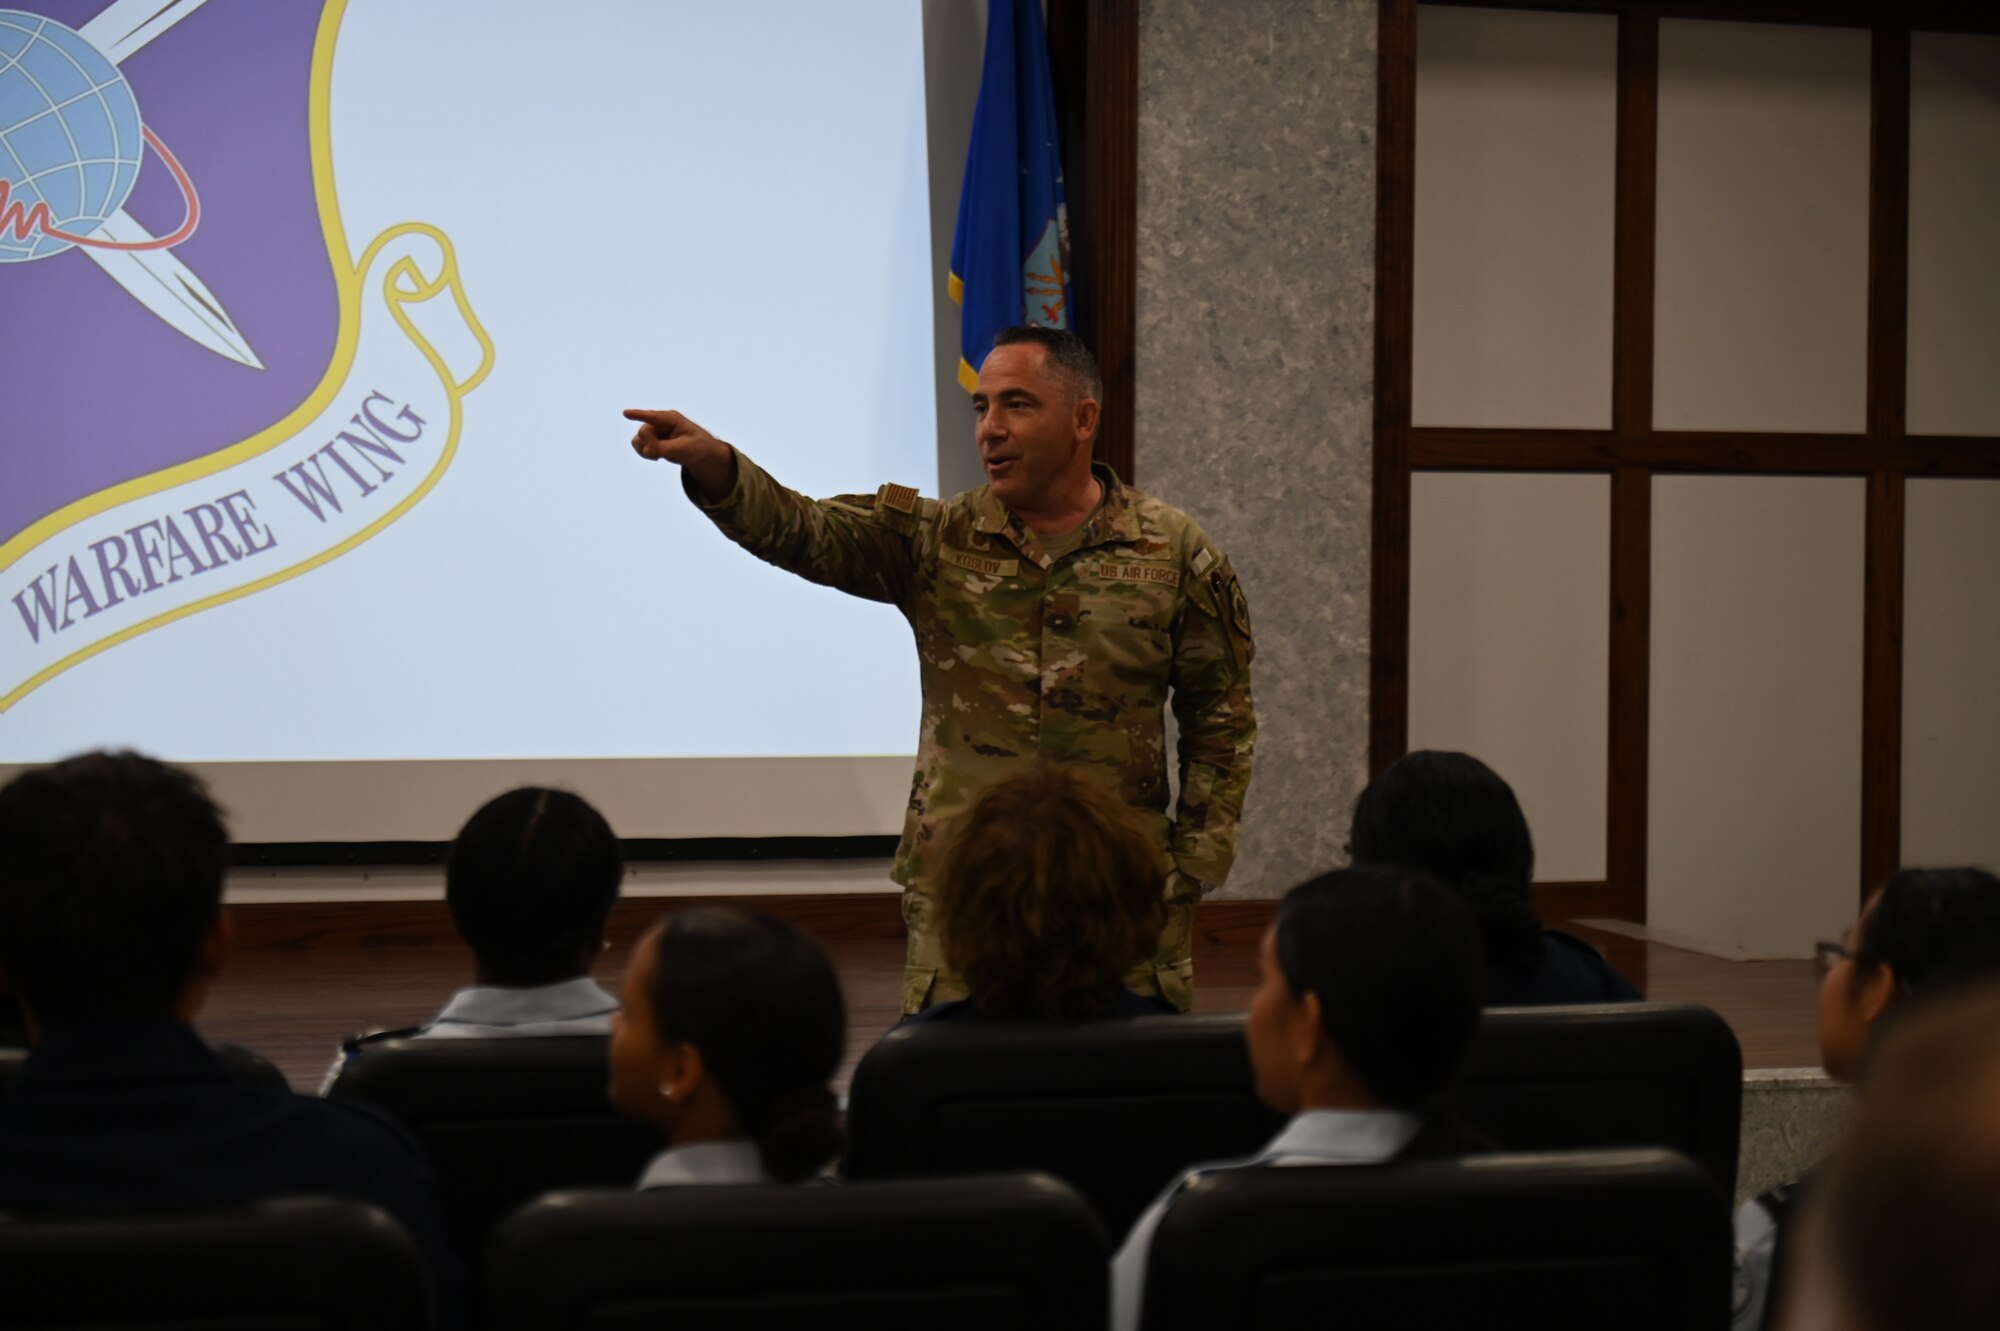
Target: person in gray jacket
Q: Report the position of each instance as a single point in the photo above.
(531, 880)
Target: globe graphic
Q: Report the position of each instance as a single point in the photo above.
(69, 133)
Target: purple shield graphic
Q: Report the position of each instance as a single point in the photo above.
(96, 389)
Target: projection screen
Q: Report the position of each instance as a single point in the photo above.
(319, 323)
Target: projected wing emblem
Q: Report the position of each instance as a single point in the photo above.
(67, 190)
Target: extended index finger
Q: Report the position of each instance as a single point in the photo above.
(659, 420)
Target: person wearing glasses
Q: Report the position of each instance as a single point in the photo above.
(1925, 932)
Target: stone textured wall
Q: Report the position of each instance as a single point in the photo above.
(1255, 366)
(1792, 1119)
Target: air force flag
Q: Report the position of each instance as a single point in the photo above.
(1010, 256)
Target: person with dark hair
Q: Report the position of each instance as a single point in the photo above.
(1924, 933)
(1050, 892)
(1451, 816)
(1058, 613)
(1912, 1211)
(732, 1027)
(111, 933)
(530, 882)
(1369, 995)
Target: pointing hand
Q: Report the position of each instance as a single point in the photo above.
(710, 464)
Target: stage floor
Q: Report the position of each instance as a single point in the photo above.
(302, 977)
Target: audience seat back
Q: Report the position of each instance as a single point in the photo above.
(504, 1120)
(302, 1264)
(965, 1254)
(1116, 1109)
(247, 1064)
(1609, 1075)
(1638, 1240)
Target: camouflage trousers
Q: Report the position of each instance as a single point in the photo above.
(927, 979)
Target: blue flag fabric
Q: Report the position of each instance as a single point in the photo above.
(1010, 255)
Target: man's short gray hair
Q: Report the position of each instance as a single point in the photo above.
(1066, 354)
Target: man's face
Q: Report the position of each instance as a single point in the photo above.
(1033, 432)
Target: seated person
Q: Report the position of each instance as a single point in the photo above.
(1050, 892)
(1924, 932)
(1911, 1217)
(1369, 997)
(530, 881)
(1452, 817)
(731, 1027)
(111, 933)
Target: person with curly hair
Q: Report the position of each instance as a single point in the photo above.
(1050, 895)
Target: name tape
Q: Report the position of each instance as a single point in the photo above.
(999, 568)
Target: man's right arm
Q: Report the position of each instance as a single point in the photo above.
(860, 544)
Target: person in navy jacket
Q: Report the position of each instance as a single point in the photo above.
(111, 933)
(1451, 816)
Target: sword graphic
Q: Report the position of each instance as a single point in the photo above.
(155, 278)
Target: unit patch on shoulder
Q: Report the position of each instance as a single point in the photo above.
(901, 498)
(1239, 609)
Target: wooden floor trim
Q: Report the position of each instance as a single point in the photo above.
(306, 926)
(301, 926)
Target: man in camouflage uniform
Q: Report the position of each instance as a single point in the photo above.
(1056, 610)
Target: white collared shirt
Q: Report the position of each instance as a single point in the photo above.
(573, 1007)
(1756, 1248)
(707, 1163)
(1315, 1137)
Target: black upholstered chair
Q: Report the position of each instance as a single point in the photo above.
(503, 1120)
(247, 1064)
(1001, 1252)
(1638, 1240)
(311, 1264)
(1116, 1109)
(1611, 1075)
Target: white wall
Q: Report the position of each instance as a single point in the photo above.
(247, 887)
(1516, 144)
(1954, 376)
(1510, 609)
(1951, 674)
(1754, 842)
(1762, 263)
